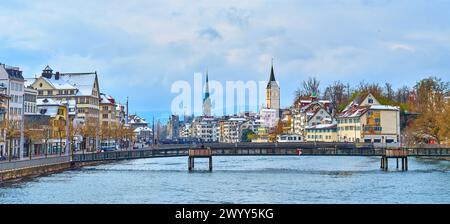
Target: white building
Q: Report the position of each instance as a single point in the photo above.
(230, 130)
(312, 114)
(269, 118)
(135, 121)
(12, 79)
(29, 98)
(205, 129)
(144, 134)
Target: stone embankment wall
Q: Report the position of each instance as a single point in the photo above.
(33, 171)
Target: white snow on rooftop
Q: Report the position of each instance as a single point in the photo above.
(59, 84)
(383, 107)
(322, 126)
(139, 129)
(46, 101)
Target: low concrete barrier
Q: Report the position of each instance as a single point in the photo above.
(33, 171)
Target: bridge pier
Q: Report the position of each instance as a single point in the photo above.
(385, 163)
(199, 153)
(406, 163)
(210, 164)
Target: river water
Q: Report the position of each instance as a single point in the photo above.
(290, 180)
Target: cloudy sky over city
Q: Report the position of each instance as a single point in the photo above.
(140, 48)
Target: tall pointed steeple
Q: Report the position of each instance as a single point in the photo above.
(273, 92)
(207, 99)
(272, 74)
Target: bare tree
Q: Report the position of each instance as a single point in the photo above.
(309, 87)
(389, 91)
(373, 88)
(336, 93)
(402, 94)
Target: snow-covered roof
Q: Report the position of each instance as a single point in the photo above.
(107, 99)
(59, 84)
(354, 112)
(134, 119)
(47, 102)
(48, 106)
(84, 82)
(29, 82)
(323, 126)
(383, 107)
(139, 129)
(237, 119)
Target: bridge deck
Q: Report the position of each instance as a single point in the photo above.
(265, 150)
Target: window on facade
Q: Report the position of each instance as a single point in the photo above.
(105, 115)
(49, 92)
(40, 92)
(370, 100)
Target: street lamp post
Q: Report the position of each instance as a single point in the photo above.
(22, 124)
(67, 144)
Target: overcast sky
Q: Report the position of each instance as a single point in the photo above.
(139, 48)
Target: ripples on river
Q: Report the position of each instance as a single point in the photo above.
(240, 180)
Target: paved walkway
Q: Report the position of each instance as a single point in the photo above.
(19, 164)
(40, 160)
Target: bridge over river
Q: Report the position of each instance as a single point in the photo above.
(269, 149)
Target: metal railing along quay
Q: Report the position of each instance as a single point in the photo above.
(20, 164)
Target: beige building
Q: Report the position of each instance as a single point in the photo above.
(366, 120)
(321, 133)
(109, 116)
(81, 87)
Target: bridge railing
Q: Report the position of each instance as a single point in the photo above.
(429, 152)
(396, 152)
(33, 163)
(120, 155)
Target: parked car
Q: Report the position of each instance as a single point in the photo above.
(2, 158)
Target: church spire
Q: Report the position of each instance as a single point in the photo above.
(207, 86)
(207, 99)
(272, 74)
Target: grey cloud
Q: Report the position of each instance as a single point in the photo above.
(210, 33)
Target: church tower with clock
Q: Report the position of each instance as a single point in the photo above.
(273, 93)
